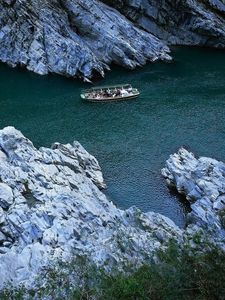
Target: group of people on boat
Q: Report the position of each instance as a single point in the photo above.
(110, 93)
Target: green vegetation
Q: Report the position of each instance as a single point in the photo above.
(179, 274)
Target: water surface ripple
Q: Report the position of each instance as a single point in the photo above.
(182, 103)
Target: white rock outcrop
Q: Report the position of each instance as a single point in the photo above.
(202, 181)
(52, 207)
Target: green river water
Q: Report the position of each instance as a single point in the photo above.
(182, 103)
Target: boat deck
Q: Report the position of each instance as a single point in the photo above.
(109, 94)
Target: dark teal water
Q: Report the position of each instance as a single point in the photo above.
(182, 103)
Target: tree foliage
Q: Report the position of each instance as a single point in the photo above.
(180, 274)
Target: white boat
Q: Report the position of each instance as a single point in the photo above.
(110, 93)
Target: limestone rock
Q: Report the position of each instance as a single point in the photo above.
(183, 22)
(2, 216)
(56, 210)
(202, 181)
(81, 38)
(72, 38)
(6, 196)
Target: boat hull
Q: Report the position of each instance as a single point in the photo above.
(110, 99)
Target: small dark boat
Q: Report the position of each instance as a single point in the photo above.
(110, 93)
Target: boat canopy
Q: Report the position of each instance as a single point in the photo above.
(104, 88)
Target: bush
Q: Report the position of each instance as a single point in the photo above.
(180, 274)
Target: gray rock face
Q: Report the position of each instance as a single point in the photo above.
(83, 37)
(52, 208)
(72, 38)
(202, 181)
(6, 196)
(182, 22)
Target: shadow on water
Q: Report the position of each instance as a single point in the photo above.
(181, 199)
(181, 103)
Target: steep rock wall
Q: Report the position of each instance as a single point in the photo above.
(180, 22)
(72, 38)
(82, 37)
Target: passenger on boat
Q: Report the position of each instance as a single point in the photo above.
(109, 93)
(124, 93)
(118, 92)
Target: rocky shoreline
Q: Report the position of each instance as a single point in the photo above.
(82, 38)
(52, 208)
(202, 181)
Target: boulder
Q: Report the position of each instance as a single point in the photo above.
(6, 197)
(202, 181)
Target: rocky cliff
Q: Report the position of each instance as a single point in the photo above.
(52, 209)
(73, 38)
(82, 37)
(178, 22)
(202, 181)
